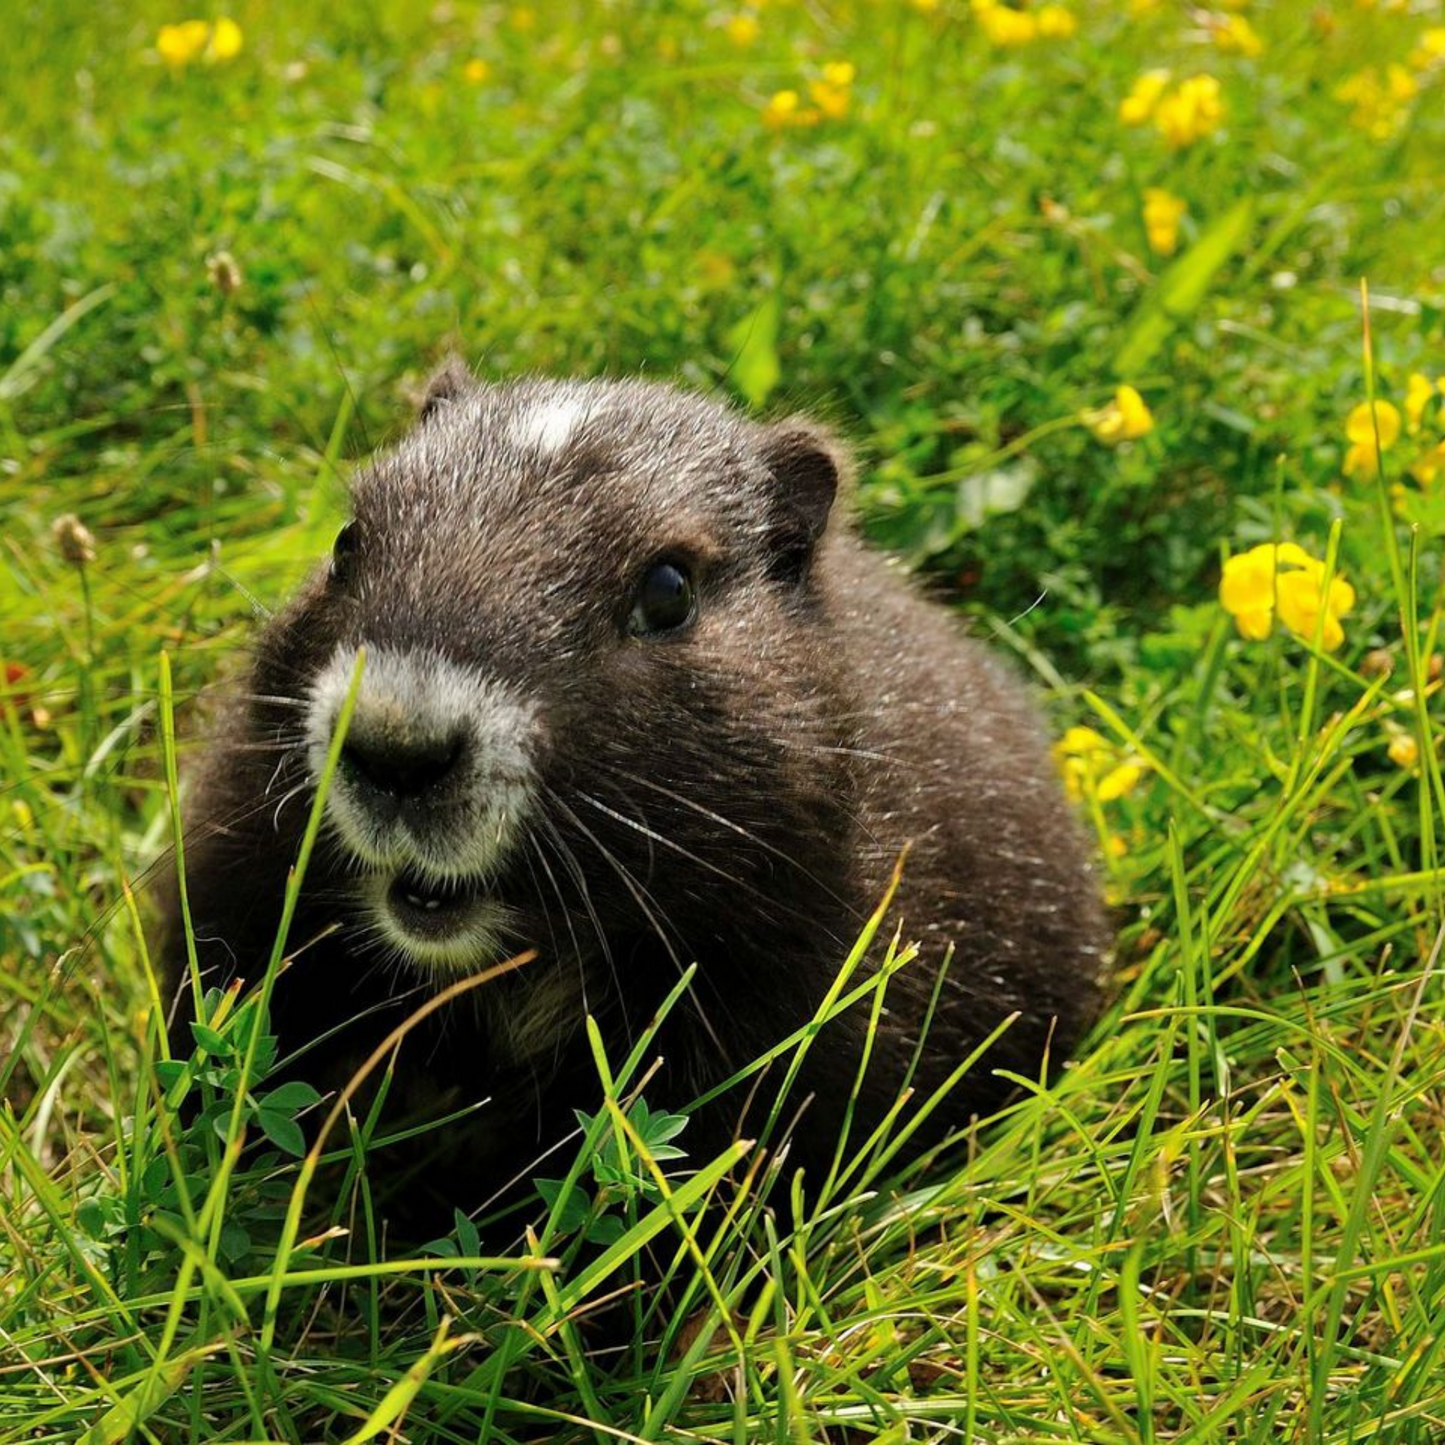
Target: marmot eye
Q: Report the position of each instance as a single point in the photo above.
(343, 554)
(664, 602)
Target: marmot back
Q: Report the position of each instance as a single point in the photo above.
(635, 696)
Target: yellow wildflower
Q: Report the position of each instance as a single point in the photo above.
(1142, 7)
(1359, 426)
(1282, 580)
(1093, 767)
(523, 19)
(1378, 103)
(1139, 104)
(1162, 214)
(1361, 459)
(743, 30)
(1056, 22)
(926, 7)
(1189, 112)
(225, 42)
(1125, 419)
(1429, 465)
(1419, 393)
(1003, 25)
(191, 40)
(786, 109)
(1403, 750)
(476, 72)
(1236, 36)
(832, 93)
(183, 43)
(1429, 52)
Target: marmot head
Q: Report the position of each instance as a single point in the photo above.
(597, 692)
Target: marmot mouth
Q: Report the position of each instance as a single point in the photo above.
(430, 909)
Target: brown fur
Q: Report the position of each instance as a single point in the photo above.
(736, 795)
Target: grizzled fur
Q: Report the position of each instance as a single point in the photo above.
(735, 794)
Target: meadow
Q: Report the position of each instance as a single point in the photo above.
(1134, 314)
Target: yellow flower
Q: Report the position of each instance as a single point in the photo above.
(191, 40)
(1125, 419)
(1403, 750)
(1190, 112)
(1378, 103)
(925, 7)
(1419, 393)
(1429, 465)
(781, 109)
(786, 109)
(1139, 104)
(1235, 35)
(1282, 580)
(225, 42)
(1056, 22)
(1003, 25)
(1162, 214)
(183, 43)
(1429, 53)
(1360, 459)
(832, 93)
(1093, 767)
(1360, 428)
(476, 72)
(743, 30)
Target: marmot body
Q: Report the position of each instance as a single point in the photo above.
(635, 696)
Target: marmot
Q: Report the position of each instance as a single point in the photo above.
(635, 695)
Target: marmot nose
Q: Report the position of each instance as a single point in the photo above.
(401, 767)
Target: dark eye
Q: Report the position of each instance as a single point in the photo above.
(664, 602)
(343, 554)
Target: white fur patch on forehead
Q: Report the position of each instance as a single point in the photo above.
(547, 426)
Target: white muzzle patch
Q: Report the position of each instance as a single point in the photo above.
(428, 864)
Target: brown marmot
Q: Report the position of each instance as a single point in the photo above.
(634, 695)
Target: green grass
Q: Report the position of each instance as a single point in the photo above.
(1226, 1220)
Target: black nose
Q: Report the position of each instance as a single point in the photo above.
(401, 767)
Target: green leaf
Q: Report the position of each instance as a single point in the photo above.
(235, 1241)
(1181, 288)
(282, 1131)
(466, 1232)
(290, 1097)
(211, 1041)
(753, 341)
(606, 1230)
(157, 1175)
(93, 1216)
(574, 1211)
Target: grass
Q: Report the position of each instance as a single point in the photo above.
(1226, 1220)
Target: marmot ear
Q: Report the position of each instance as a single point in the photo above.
(448, 382)
(808, 466)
